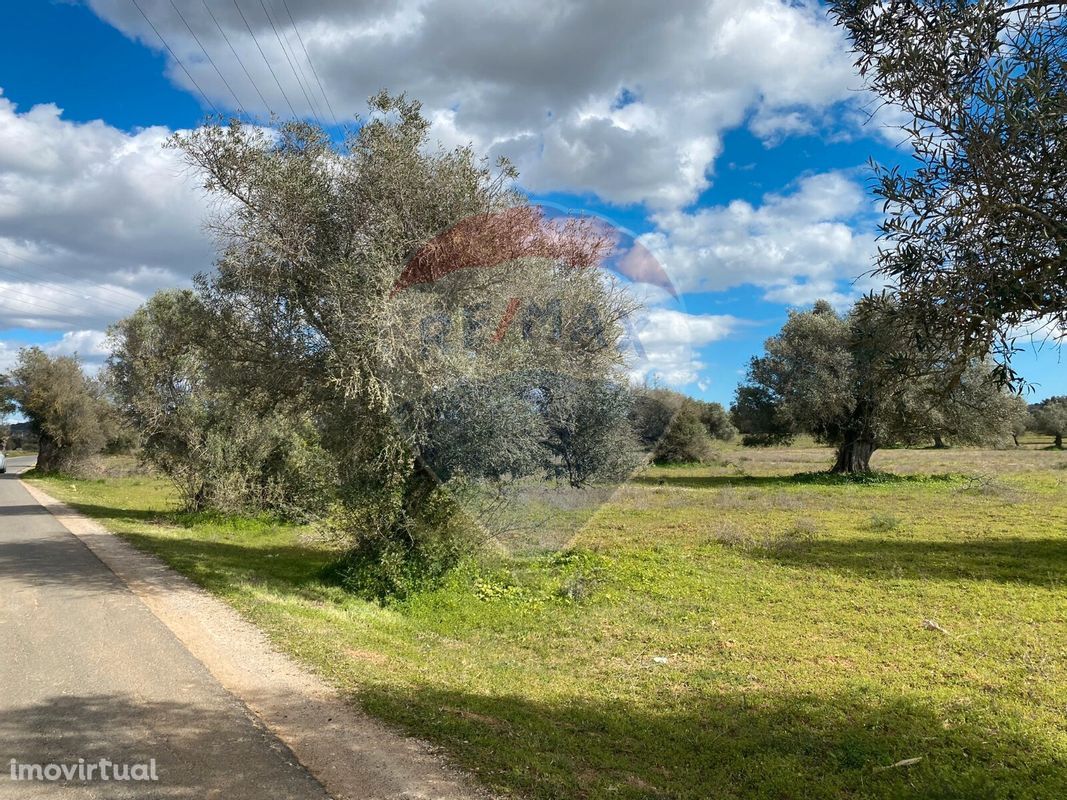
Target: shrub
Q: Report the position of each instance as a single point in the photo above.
(717, 422)
(687, 440)
(801, 536)
(761, 440)
(398, 551)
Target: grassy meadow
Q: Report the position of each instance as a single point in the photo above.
(724, 630)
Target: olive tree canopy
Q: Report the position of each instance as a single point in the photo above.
(977, 226)
(224, 444)
(854, 381)
(1050, 418)
(66, 409)
(402, 292)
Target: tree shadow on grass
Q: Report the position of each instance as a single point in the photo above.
(222, 566)
(1041, 562)
(751, 746)
(712, 481)
(126, 514)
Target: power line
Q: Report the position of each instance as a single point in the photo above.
(55, 306)
(311, 63)
(80, 296)
(285, 53)
(233, 50)
(175, 57)
(303, 76)
(265, 61)
(52, 308)
(211, 61)
(51, 268)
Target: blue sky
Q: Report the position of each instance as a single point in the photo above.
(729, 140)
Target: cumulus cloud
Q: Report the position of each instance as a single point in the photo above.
(90, 348)
(629, 102)
(625, 100)
(87, 345)
(797, 245)
(670, 342)
(8, 355)
(92, 219)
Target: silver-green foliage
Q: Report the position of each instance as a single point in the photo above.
(676, 428)
(67, 410)
(315, 293)
(1050, 418)
(858, 382)
(224, 445)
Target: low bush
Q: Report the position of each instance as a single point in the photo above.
(398, 552)
(884, 522)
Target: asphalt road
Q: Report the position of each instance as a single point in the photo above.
(87, 672)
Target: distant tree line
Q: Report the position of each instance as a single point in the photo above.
(677, 429)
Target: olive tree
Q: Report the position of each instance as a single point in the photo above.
(587, 430)
(687, 439)
(1050, 418)
(717, 422)
(976, 226)
(1021, 421)
(370, 278)
(219, 440)
(854, 381)
(66, 409)
(970, 408)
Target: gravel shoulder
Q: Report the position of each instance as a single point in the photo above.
(349, 753)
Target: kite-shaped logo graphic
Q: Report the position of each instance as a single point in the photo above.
(544, 416)
(485, 241)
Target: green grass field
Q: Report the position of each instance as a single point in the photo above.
(718, 631)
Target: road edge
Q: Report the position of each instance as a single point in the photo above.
(354, 756)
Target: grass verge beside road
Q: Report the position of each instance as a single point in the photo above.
(721, 631)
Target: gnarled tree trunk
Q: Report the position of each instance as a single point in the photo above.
(1058, 444)
(48, 454)
(854, 456)
(939, 443)
(857, 443)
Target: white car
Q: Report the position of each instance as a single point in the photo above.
(3, 462)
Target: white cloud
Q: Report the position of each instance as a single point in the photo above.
(627, 101)
(87, 345)
(796, 246)
(670, 341)
(540, 82)
(9, 354)
(90, 347)
(92, 219)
